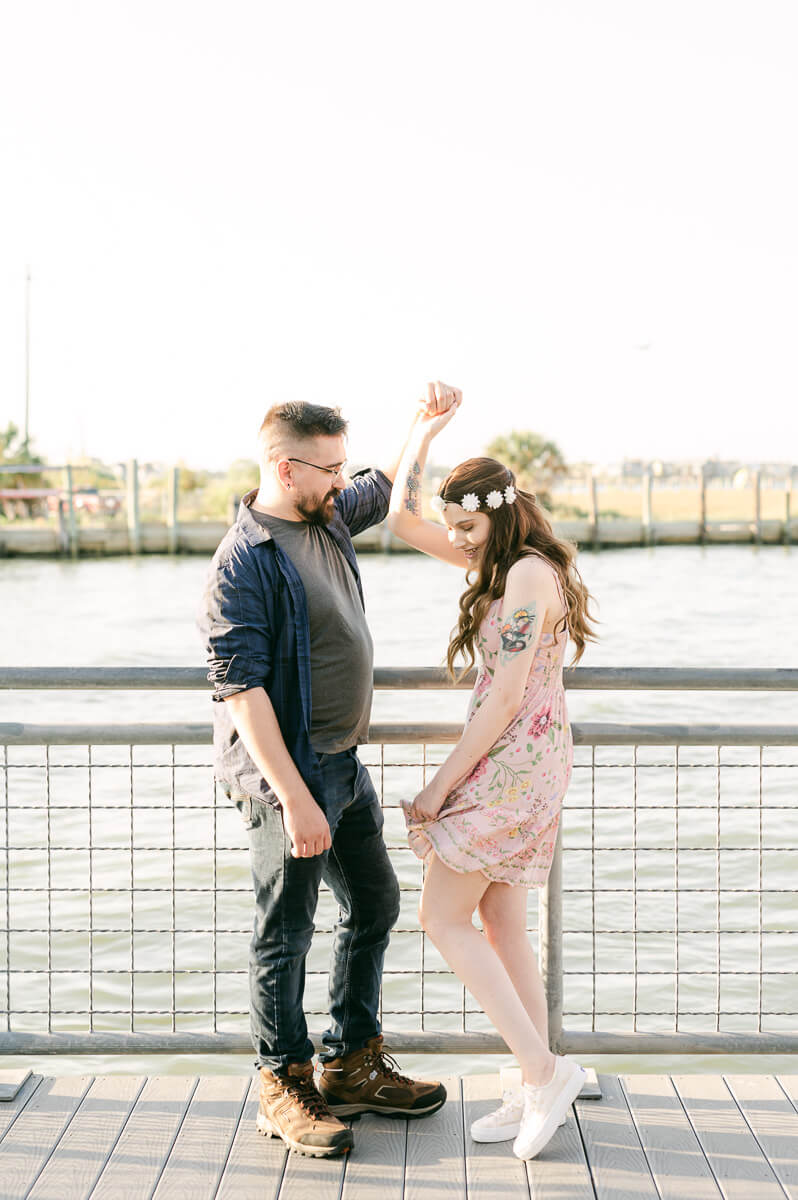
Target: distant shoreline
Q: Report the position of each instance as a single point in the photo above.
(202, 537)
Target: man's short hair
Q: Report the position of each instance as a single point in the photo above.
(284, 423)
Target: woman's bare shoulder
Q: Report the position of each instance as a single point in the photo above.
(532, 569)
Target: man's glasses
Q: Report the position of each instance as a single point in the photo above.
(334, 471)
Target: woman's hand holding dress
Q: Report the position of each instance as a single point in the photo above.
(426, 805)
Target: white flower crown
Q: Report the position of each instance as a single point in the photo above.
(471, 502)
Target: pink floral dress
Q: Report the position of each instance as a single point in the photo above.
(502, 819)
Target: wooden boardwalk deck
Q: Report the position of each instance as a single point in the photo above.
(123, 1137)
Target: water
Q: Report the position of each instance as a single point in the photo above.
(669, 606)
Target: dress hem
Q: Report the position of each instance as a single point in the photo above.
(430, 847)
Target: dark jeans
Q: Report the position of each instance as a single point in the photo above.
(360, 875)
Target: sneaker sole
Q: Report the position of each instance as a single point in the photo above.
(355, 1110)
(504, 1133)
(265, 1127)
(564, 1102)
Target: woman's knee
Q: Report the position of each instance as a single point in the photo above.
(430, 917)
(436, 920)
(498, 932)
(502, 922)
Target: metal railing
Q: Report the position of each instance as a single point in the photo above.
(669, 922)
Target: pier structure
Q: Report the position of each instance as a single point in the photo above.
(131, 531)
(669, 925)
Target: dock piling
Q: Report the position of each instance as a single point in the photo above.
(173, 494)
(702, 513)
(133, 526)
(71, 523)
(592, 508)
(648, 528)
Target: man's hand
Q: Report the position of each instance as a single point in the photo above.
(437, 407)
(307, 827)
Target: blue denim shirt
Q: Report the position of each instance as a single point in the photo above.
(254, 621)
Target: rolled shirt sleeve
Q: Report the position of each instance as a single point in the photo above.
(237, 631)
(365, 502)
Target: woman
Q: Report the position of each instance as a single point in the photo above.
(487, 821)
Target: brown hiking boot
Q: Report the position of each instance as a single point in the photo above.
(292, 1109)
(366, 1081)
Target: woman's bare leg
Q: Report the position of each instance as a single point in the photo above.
(447, 905)
(502, 910)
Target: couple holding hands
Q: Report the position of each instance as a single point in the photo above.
(291, 661)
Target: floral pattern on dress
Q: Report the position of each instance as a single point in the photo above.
(503, 818)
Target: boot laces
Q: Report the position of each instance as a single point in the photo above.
(308, 1095)
(387, 1065)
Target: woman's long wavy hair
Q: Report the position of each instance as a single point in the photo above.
(517, 529)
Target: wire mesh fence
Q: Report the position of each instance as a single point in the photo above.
(128, 908)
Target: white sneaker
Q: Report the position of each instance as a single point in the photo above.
(504, 1122)
(545, 1107)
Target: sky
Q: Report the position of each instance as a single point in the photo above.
(583, 214)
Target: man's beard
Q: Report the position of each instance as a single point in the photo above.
(316, 512)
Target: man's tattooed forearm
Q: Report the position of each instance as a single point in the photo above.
(412, 485)
(518, 632)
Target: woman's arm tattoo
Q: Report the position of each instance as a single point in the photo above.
(517, 632)
(412, 486)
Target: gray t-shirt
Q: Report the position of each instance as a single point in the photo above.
(341, 649)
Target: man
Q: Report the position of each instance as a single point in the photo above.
(290, 657)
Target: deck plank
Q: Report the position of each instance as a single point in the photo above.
(375, 1169)
(12, 1081)
(674, 1153)
(256, 1163)
(492, 1170)
(790, 1085)
(30, 1141)
(312, 1178)
(200, 1150)
(618, 1165)
(736, 1160)
(10, 1109)
(308, 1178)
(774, 1122)
(435, 1164)
(75, 1165)
(572, 1177)
(561, 1169)
(695, 1137)
(139, 1155)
